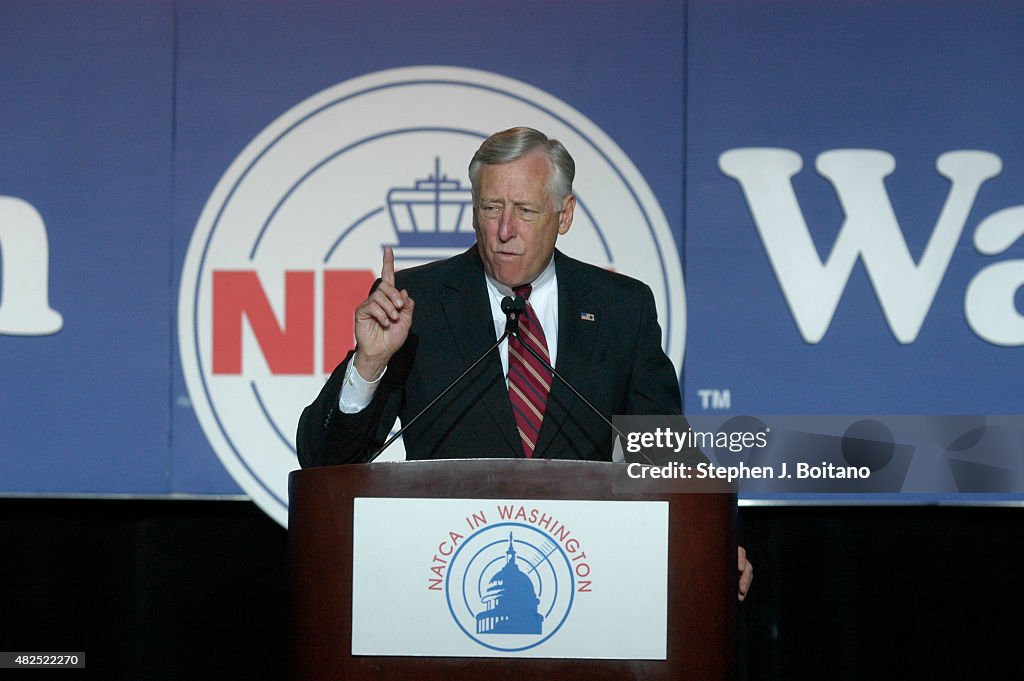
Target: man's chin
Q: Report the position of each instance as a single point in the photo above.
(508, 270)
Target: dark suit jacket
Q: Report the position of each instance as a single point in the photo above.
(614, 360)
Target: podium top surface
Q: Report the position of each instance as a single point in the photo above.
(496, 478)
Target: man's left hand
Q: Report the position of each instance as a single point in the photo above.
(746, 573)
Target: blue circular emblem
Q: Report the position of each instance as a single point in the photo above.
(510, 586)
(299, 220)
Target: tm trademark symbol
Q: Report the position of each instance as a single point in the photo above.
(713, 398)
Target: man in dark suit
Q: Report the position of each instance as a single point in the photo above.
(598, 328)
(614, 359)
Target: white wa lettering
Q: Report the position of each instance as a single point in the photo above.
(24, 263)
(989, 302)
(812, 289)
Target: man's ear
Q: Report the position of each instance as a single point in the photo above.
(565, 217)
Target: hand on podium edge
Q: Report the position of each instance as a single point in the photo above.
(746, 570)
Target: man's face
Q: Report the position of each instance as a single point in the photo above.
(516, 221)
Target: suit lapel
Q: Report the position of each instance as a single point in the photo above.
(467, 311)
(577, 338)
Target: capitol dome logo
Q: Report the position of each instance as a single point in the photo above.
(291, 239)
(510, 587)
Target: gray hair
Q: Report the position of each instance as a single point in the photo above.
(515, 143)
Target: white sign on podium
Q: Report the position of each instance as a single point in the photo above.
(497, 578)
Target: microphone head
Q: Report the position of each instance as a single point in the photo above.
(515, 305)
(513, 309)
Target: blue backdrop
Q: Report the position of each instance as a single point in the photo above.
(760, 128)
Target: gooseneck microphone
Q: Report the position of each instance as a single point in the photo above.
(513, 309)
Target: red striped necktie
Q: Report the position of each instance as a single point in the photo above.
(528, 381)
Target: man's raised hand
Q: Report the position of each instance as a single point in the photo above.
(382, 322)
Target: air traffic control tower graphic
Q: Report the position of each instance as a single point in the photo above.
(433, 219)
(511, 603)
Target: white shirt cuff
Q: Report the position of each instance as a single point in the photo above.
(356, 391)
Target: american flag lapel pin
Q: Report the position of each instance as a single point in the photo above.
(587, 316)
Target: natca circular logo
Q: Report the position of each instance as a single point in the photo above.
(291, 239)
(510, 587)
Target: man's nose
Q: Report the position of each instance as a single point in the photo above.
(506, 226)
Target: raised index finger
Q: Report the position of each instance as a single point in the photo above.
(387, 272)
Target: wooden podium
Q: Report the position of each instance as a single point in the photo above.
(702, 575)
